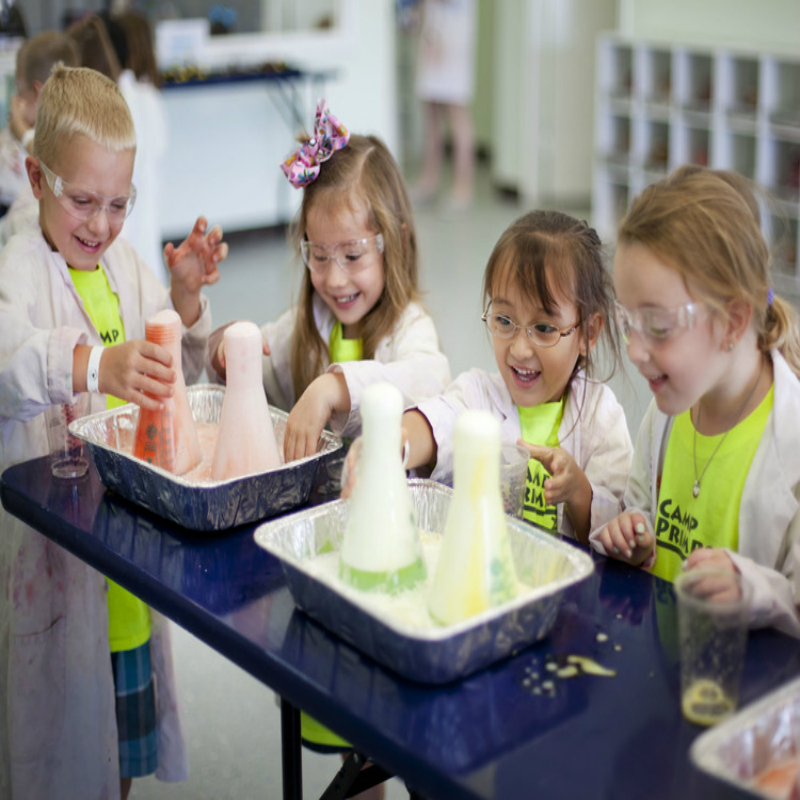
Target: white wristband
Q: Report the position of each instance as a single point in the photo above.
(27, 138)
(93, 369)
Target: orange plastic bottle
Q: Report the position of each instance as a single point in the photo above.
(246, 444)
(168, 437)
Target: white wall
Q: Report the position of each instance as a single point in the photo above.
(226, 142)
(771, 24)
(544, 96)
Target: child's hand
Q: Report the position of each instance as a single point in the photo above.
(218, 360)
(311, 413)
(566, 477)
(626, 537)
(133, 370)
(192, 265)
(719, 588)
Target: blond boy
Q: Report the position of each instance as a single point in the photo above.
(73, 301)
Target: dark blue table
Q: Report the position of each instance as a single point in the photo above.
(488, 736)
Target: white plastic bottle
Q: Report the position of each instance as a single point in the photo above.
(475, 570)
(246, 443)
(178, 449)
(381, 549)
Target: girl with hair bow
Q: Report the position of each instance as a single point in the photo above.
(358, 319)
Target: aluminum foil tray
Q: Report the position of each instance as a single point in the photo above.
(755, 742)
(436, 655)
(206, 507)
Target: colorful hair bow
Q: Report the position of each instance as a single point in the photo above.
(302, 165)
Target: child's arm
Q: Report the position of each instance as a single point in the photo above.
(311, 412)
(192, 265)
(417, 432)
(131, 371)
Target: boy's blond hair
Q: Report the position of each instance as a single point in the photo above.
(36, 57)
(79, 101)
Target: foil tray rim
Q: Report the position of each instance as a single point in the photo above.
(583, 567)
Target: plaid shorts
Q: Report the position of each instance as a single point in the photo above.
(136, 711)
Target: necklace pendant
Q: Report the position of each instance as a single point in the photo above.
(696, 489)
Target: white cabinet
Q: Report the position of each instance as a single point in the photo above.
(662, 104)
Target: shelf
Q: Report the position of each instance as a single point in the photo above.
(663, 104)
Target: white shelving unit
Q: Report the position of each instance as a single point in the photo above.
(663, 104)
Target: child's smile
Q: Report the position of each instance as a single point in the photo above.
(534, 374)
(88, 165)
(350, 293)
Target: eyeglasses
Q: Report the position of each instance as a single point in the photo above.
(351, 256)
(86, 205)
(657, 324)
(540, 333)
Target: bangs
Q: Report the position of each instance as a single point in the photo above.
(538, 267)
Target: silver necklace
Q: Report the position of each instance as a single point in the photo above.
(697, 480)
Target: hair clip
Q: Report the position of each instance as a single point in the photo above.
(770, 297)
(302, 165)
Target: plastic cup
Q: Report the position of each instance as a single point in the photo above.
(713, 619)
(67, 452)
(513, 477)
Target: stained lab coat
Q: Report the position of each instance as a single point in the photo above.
(58, 735)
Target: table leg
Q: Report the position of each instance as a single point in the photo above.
(291, 752)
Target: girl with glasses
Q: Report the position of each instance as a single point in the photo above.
(716, 474)
(548, 298)
(358, 319)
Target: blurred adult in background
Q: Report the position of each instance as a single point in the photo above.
(120, 46)
(139, 82)
(445, 84)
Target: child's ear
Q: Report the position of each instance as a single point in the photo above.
(35, 176)
(740, 315)
(594, 325)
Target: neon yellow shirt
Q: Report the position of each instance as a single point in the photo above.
(102, 306)
(540, 426)
(342, 349)
(684, 522)
(128, 617)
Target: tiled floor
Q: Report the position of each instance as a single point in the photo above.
(232, 721)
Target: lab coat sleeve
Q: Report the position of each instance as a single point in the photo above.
(410, 358)
(607, 458)
(773, 603)
(637, 497)
(35, 351)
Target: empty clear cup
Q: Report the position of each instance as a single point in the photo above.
(713, 621)
(67, 452)
(513, 477)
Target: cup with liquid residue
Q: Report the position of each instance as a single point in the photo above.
(513, 477)
(713, 621)
(67, 452)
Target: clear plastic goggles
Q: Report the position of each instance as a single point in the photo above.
(352, 256)
(657, 324)
(540, 334)
(86, 205)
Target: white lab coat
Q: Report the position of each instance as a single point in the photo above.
(593, 431)
(769, 523)
(58, 734)
(409, 357)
